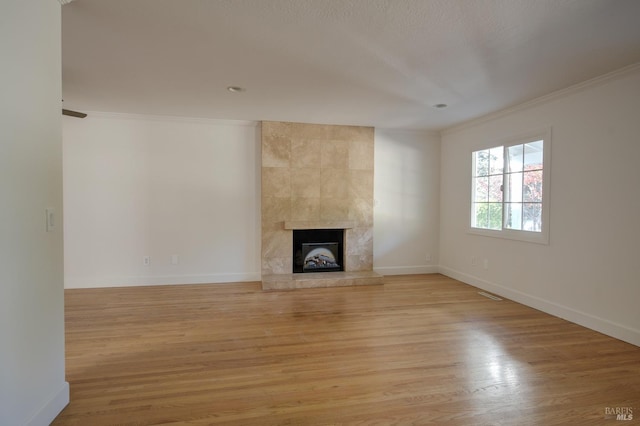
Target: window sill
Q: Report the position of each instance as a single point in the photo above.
(524, 236)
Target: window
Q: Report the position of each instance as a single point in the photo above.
(509, 189)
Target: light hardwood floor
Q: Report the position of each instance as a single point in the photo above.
(422, 349)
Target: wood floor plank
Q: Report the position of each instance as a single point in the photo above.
(421, 349)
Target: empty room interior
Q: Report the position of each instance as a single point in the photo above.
(306, 212)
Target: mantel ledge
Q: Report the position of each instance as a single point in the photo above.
(319, 224)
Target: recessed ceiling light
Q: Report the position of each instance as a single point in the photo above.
(235, 89)
(440, 106)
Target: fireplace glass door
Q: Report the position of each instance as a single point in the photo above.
(318, 250)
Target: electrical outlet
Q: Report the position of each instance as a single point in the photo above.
(146, 260)
(427, 257)
(175, 259)
(474, 261)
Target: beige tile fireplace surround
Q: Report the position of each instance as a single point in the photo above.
(316, 177)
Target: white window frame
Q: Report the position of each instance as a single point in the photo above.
(541, 237)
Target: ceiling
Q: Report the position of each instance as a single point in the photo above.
(382, 63)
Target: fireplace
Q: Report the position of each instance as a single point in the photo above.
(316, 177)
(318, 250)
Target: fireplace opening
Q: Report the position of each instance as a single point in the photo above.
(320, 257)
(318, 250)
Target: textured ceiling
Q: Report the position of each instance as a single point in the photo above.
(381, 63)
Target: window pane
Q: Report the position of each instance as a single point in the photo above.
(495, 188)
(533, 155)
(480, 215)
(532, 186)
(481, 160)
(513, 216)
(481, 189)
(532, 217)
(496, 162)
(507, 188)
(514, 188)
(515, 158)
(495, 216)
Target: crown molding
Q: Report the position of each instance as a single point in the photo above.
(579, 87)
(418, 132)
(165, 118)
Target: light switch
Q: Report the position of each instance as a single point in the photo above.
(51, 219)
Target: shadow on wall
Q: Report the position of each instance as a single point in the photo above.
(406, 198)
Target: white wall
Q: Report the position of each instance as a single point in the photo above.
(590, 271)
(154, 186)
(139, 186)
(32, 386)
(406, 192)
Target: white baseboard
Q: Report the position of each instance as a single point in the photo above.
(406, 270)
(136, 281)
(610, 328)
(52, 407)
